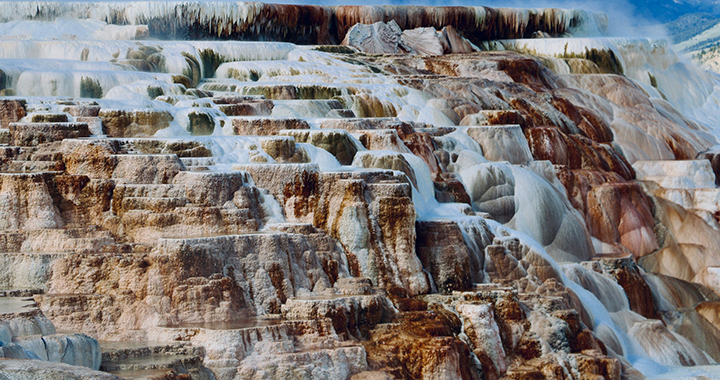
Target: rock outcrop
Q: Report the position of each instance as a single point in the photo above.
(416, 203)
(382, 38)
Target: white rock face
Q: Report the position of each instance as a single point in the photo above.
(484, 334)
(26, 333)
(666, 347)
(33, 209)
(388, 38)
(261, 347)
(283, 211)
(147, 169)
(502, 143)
(26, 270)
(34, 369)
(24, 324)
(677, 174)
(382, 139)
(378, 38)
(385, 160)
(335, 364)
(607, 291)
(76, 350)
(424, 41)
(528, 203)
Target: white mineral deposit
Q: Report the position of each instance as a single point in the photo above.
(238, 190)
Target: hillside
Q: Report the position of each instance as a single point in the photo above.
(232, 190)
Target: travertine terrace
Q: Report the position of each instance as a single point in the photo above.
(262, 191)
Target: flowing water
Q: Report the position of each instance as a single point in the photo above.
(94, 59)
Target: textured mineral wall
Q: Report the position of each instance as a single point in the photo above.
(417, 203)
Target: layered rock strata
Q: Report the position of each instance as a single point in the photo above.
(239, 210)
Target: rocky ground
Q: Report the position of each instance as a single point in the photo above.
(411, 204)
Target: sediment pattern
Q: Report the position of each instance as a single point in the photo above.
(378, 193)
